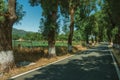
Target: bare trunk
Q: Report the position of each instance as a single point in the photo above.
(100, 35)
(52, 50)
(6, 52)
(71, 30)
(6, 60)
(109, 36)
(87, 39)
(51, 44)
(51, 36)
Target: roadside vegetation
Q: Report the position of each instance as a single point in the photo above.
(29, 58)
(84, 24)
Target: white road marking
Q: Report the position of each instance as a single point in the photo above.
(39, 67)
(116, 66)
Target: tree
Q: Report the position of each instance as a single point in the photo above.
(10, 13)
(108, 19)
(100, 24)
(68, 7)
(8, 19)
(49, 26)
(114, 7)
(84, 20)
(15, 37)
(62, 37)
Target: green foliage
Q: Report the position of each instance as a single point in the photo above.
(114, 32)
(2, 19)
(20, 33)
(114, 6)
(15, 37)
(77, 36)
(100, 25)
(62, 37)
(2, 11)
(26, 35)
(2, 6)
(49, 23)
(19, 12)
(91, 17)
(36, 43)
(64, 7)
(33, 36)
(84, 20)
(115, 16)
(34, 2)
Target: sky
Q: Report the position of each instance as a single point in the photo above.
(31, 20)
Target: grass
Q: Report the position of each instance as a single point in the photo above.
(36, 43)
(42, 43)
(37, 55)
(29, 43)
(33, 54)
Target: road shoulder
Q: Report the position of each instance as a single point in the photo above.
(115, 53)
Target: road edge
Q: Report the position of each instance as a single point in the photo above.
(115, 64)
(11, 78)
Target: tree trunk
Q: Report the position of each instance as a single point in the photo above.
(51, 35)
(51, 43)
(51, 50)
(100, 35)
(71, 29)
(6, 52)
(87, 39)
(109, 36)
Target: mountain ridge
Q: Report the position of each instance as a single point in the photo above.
(20, 32)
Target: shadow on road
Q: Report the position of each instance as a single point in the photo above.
(81, 68)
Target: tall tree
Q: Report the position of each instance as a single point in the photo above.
(101, 24)
(83, 19)
(10, 12)
(115, 12)
(68, 7)
(108, 18)
(50, 27)
(8, 19)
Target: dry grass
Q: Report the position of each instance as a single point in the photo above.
(39, 56)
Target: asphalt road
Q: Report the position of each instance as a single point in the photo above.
(92, 64)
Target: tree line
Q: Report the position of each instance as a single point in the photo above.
(98, 19)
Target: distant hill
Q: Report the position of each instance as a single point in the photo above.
(20, 32)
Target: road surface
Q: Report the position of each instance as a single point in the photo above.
(92, 64)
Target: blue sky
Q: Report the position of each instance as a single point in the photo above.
(31, 20)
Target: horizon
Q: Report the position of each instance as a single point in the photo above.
(23, 30)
